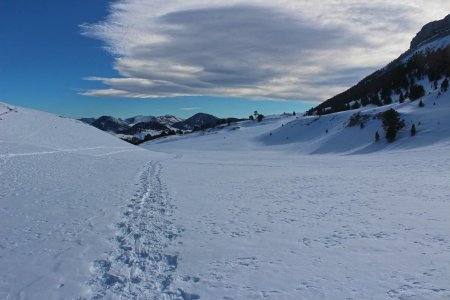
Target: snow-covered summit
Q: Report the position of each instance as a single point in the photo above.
(164, 120)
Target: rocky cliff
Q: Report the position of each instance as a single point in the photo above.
(431, 31)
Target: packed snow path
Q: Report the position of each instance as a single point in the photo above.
(139, 266)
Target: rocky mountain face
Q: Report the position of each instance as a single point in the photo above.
(432, 31)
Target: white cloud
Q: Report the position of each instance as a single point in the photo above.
(282, 49)
(190, 108)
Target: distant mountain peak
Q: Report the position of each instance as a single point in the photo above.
(111, 124)
(198, 120)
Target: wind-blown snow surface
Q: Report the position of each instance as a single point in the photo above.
(264, 219)
(242, 212)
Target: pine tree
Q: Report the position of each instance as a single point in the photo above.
(356, 105)
(387, 100)
(391, 133)
(375, 100)
(421, 104)
(365, 101)
(391, 124)
(401, 99)
(444, 85)
(416, 92)
(413, 130)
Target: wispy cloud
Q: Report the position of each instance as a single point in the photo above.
(190, 108)
(281, 49)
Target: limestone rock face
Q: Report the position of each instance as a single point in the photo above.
(432, 31)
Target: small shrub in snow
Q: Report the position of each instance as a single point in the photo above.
(444, 85)
(413, 130)
(421, 104)
(357, 119)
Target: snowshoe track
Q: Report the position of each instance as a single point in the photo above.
(138, 267)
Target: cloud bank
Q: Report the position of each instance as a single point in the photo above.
(279, 49)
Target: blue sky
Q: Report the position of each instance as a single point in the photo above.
(44, 58)
(126, 57)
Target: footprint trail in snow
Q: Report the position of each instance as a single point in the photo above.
(138, 266)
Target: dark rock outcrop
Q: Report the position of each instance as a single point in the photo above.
(430, 32)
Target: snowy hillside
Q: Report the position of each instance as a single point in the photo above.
(63, 186)
(332, 133)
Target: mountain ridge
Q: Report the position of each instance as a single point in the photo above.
(428, 56)
(430, 32)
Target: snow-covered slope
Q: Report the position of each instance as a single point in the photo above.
(63, 186)
(331, 133)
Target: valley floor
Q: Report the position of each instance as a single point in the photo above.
(215, 216)
(278, 226)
